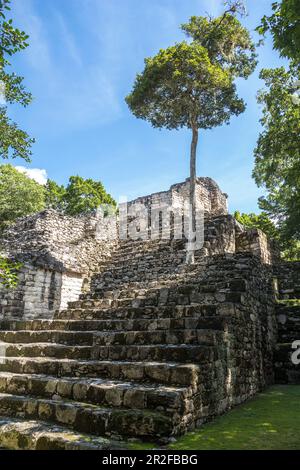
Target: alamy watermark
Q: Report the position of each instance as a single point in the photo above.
(296, 354)
(160, 220)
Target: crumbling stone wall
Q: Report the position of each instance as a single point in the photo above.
(287, 286)
(288, 279)
(255, 241)
(208, 194)
(58, 254)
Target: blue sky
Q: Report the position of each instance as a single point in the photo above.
(81, 63)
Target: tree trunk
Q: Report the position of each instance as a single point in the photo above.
(192, 225)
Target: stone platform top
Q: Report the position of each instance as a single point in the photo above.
(208, 193)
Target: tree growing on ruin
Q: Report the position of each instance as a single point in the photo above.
(192, 84)
(14, 142)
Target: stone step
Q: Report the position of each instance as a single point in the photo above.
(18, 434)
(186, 290)
(44, 350)
(161, 296)
(36, 340)
(138, 324)
(92, 325)
(289, 336)
(151, 312)
(148, 247)
(182, 275)
(289, 294)
(286, 371)
(100, 392)
(168, 280)
(90, 419)
(283, 352)
(132, 258)
(168, 373)
(186, 336)
(130, 255)
(288, 317)
(132, 264)
(70, 338)
(158, 352)
(288, 311)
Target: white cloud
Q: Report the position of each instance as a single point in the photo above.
(68, 40)
(36, 174)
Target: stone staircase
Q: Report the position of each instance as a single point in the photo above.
(288, 320)
(154, 349)
(288, 331)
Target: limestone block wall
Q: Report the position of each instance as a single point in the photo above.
(60, 253)
(238, 292)
(288, 279)
(208, 195)
(58, 256)
(255, 241)
(37, 294)
(286, 369)
(246, 306)
(220, 235)
(71, 288)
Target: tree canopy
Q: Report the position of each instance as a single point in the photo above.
(284, 26)
(181, 87)
(192, 84)
(227, 42)
(80, 196)
(259, 221)
(54, 195)
(14, 142)
(277, 155)
(19, 195)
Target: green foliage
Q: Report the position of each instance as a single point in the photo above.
(180, 87)
(289, 247)
(13, 141)
(277, 155)
(192, 84)
(19, 195)
(54, 195)
(284, 25)
(81, 196)
(9, 272)
(226, 41)
(259, 221)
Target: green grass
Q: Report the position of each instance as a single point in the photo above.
(268, 422)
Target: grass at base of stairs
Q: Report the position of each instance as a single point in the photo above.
(270, 421)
